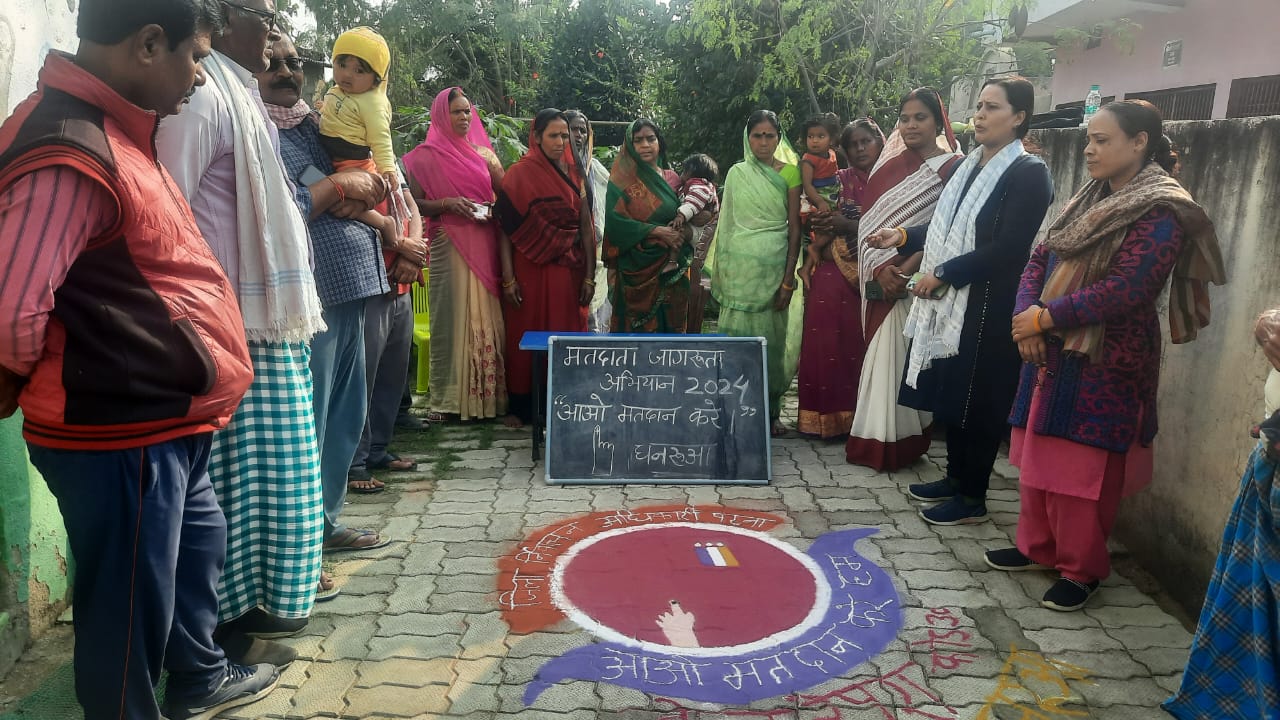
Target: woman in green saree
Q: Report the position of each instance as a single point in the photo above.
(753, 256)
(637, 241)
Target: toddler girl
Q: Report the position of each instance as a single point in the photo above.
(697, 192)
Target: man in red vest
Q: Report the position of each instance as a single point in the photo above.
(121, 340)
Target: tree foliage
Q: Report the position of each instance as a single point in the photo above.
(698, 66)
(600, 53)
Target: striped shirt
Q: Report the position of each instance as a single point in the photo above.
(696, 195)
(47, 218)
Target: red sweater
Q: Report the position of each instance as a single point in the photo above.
(111, 301)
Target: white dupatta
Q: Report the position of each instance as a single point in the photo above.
(934, 326)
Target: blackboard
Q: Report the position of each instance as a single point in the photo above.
(657, 409)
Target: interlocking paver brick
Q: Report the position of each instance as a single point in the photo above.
(1162, 660)
(480, 671)
(1039, 618)
(420, 624)
(397, 701)
(325, 690)
(419, 647)
(507, 527)
(457, 534)
(466, 698)
(418, 633)
(412, 594)
(545, 643)
(1146, 616)
(1055, 640)
(460, 508)
(349, 640)
(407, 672)
(485, 636)
(469, 602)
(1135, 691)
(1142, 638)
(351, 605)
(368, 584)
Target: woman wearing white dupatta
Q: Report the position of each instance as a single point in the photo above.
(903, 188)
(963, 367)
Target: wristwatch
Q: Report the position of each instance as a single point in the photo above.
(939, 271)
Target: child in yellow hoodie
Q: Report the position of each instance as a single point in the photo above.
(355, 117)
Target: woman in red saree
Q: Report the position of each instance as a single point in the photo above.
(548, 249)
(832, 347)
(453, 176)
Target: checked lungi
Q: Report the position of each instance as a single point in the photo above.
(1232, 672)
(265, 469)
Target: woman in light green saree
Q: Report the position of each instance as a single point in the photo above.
(753, 256)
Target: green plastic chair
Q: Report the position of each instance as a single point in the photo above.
(422, 334)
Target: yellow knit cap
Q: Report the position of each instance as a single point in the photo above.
(364, 43)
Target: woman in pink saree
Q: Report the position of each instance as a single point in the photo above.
(454, 175)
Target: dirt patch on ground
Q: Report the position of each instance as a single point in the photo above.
(51, 651)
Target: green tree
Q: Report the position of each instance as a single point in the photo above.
(803, 57)
(599, 56)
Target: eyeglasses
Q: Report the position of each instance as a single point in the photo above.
(272, 17)
(293, 63)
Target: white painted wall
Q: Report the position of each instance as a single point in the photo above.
(29, 29)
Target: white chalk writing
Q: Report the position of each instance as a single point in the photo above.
(600, 356)
(581, 412)
(672, 357)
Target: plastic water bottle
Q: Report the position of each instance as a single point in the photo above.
(1091, 103)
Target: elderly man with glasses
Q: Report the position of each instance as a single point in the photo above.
(265, 465)
(350, 273)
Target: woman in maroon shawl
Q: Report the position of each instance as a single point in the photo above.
(453, 175)
(548, 249)
(832, 346)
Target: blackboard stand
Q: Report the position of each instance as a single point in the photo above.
(657, 409)
(535, 341)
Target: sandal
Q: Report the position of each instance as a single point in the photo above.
(434, 417)
(777, 429)
(328, 588)
(394, 463)
(365, 486)
(349, 539)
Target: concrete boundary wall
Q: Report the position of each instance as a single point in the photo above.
(1211, 389)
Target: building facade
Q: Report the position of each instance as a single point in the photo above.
(1194, 59)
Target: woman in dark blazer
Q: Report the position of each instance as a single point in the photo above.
(963, 367)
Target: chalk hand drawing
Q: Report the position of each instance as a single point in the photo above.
(601, 455)
(677, 625)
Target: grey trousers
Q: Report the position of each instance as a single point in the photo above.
(338, 374)
(388, 337)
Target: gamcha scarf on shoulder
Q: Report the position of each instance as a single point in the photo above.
(540, 207)
(1090, 230)
(277, 292)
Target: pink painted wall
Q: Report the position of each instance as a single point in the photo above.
(1221, 40)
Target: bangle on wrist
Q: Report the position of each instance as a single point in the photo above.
(902, 236)
(509, 283)
(1036, 321)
